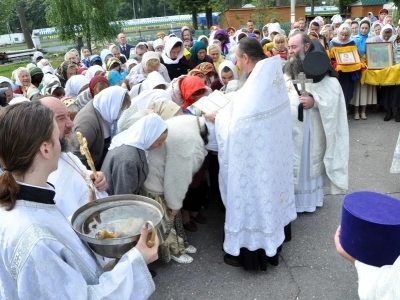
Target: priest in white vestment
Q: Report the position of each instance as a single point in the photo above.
(72, 181)
(255, 157)
(321, 139)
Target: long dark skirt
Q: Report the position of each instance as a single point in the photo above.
(347, 84)
(257, 260)
(390, 96)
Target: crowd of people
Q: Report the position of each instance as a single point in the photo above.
(135, 105)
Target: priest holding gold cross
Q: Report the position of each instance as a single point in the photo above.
(320, 128)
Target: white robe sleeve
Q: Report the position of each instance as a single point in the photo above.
(52, 271)
(378, 283)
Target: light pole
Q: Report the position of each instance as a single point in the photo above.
(134, 10)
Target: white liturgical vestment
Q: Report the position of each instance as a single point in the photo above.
(41, 257)
(254, 134)
(72, 191)
(320, 143)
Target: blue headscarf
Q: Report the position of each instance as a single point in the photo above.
(104, 53)
(114, 77)
(361, 39)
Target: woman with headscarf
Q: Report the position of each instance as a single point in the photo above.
(214, 51)
(186, 90)
(385, 34)
(224, 38)
(85, 55)
(346, 78)
(95, 60)
(96, 85)
(126, 163)
(204, 39)
(76, 85)
(114, 73)
(51, 86)
(65, 71)
(390, 95)
(153, 81)
(22, 80)
(141, 102)
(150, 63)
(163, 107)
(172, 58)
(186, 34)
(104, 55)
(97, 122)
(205, 71)
(364, 94)
(199, 55)
(6, 83)
(37, 56)
(158, 45)
(226, 72)
(140, 49)
(94, 71)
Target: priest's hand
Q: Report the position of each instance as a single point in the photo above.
(307, 101)
(211, 116)
(100, 183)
(149, 254)
(340, 249)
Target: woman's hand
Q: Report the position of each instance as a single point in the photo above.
(211, 116)
(149, 254)
(173, 212)
(340, 249)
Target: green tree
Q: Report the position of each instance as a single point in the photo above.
(92, 19)
(16, 7)
(193, 7)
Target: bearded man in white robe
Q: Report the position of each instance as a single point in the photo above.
(74, 184)
(255, 157)
(321, 139)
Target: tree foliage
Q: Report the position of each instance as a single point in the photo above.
(92, 19)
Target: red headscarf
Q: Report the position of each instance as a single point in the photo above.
(95, 80)
(189, 85)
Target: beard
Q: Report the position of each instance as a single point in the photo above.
(65, 145)
(242, 79)
(294, 65)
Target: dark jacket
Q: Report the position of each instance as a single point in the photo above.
(176, 70)
(89, 122)
(127, 50)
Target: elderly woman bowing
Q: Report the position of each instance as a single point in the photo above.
(126, 163)
(97, 122)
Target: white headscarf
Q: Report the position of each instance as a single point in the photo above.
(92, 71)
(17, 100)
(141, 68)
(108, 103)
(74, 85)
(43, 62)
(154, 79)
(5, 79)
(340, 29)
(35, 56)
(145, 98)
(17, 73)
(169, 44)
(336, 19)
(141, 134)
(230, 65)
(274, 27)
(386, 27)
(158, 42)
(48, 69)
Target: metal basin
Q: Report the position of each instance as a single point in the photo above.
(123, 214)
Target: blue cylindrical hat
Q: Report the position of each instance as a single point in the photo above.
(370, 229)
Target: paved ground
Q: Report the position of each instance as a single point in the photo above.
(309, 266)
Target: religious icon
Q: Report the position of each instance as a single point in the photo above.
(347, 58)
(379, 55)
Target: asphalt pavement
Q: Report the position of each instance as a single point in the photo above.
(309, 266)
